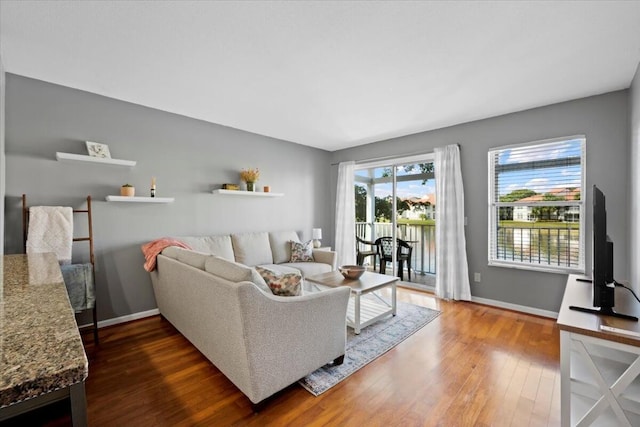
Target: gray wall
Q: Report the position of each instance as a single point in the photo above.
(189, 158)
(2, 156)
(634, 188)
(604, 121)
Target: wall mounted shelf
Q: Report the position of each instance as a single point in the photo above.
(68, 157)
(246, 193)
(137, 199)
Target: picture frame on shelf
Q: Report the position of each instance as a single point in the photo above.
(96, 149)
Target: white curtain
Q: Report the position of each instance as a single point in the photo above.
(345, 239)
(452, 271)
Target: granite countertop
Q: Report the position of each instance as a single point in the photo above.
(40, 345)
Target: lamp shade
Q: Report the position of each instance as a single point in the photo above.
(316, 233)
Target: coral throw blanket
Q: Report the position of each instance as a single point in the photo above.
(153, 248)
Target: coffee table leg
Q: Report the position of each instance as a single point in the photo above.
(356, 315)
(393, 298)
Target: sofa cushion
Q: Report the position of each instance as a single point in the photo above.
(281, 245)
(281, 268)
(301, 252)
(252, 248)
(234, 272)
(287, 284)
(193, 258)
(307, 268)
(217, 245)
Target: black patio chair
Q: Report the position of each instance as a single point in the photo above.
(403, 254)
(364, 249)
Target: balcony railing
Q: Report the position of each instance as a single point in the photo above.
(422, 237)
(545, 246)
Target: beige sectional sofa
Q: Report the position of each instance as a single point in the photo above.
(260, 341)
(270, 250)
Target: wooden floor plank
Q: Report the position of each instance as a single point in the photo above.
(554, 413)
(474, 365)
(542, 405)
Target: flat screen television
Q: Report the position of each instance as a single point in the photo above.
(602, 279)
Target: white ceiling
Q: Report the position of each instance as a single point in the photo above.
(330, 74)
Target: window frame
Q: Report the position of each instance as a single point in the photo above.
(494, 205)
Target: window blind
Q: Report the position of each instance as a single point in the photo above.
(536, 205)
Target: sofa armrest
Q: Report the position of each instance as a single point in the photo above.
(289, 337)
(326, 257)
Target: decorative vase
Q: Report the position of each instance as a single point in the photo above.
(250, 186)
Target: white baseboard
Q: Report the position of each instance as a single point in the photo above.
(515, 307)
(124, 319)
(493, 303)
(485, 301)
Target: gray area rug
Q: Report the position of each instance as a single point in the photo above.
(373, 342)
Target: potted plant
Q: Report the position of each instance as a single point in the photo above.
(250, 176)
(128, 190)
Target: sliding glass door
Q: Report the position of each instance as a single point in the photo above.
(395, 209)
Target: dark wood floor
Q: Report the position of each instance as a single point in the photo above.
(472, 366)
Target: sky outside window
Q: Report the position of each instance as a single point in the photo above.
(405, 189)
(540, 180)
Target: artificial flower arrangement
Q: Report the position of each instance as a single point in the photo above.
(250, 175)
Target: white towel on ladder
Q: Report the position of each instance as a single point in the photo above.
(51, 230)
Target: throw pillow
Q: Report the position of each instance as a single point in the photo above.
(286, 284)
(302, 252)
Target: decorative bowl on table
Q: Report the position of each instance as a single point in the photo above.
(352, 272)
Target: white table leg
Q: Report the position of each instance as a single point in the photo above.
(356, 325)
(565, 378)
(393, 298)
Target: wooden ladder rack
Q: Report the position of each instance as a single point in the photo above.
(89, 238)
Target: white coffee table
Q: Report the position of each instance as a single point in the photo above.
(362, 312)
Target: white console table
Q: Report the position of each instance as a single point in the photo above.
(600, 382)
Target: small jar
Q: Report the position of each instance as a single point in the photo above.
(127, 191)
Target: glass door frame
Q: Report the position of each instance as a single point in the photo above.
(393, 163)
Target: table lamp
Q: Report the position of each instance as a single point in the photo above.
(316, 235)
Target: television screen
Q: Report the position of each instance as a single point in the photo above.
(602, 280)
(603, 295)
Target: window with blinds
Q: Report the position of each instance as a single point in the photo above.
(536, 205)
